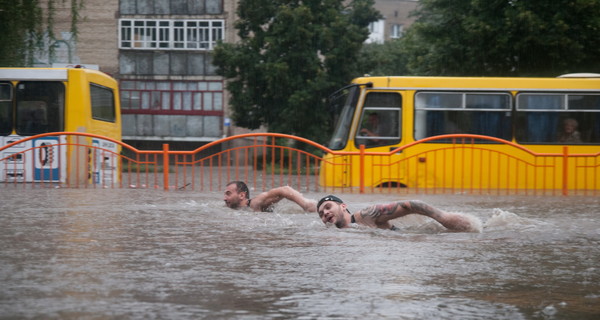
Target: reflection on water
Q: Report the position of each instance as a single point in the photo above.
(146, 254)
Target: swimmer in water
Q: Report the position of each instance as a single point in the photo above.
(332, 210)
(237, 196)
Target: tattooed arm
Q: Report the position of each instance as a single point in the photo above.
(379, 215)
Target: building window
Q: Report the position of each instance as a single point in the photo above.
(153, 34)
(396, 31)
(172, 97)
(171, 7)
(376, 32)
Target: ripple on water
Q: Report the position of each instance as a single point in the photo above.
(151, 254)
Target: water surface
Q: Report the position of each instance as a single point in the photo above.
(151, 254)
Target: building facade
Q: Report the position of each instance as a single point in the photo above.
(160, 51)
(396, 18)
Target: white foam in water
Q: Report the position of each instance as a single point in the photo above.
(502, 219)
(284, 220)
(476, 224)
(193, 203)
(419, 223)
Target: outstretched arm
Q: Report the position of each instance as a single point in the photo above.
(264, 200)
(379, 215)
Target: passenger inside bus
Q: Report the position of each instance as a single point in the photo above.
(373, 128)
(379, 128)
(33, 117)
(569, 131)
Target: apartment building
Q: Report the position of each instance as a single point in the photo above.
(396, 19)
(160, 51)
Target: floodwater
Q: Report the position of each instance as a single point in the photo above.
(152, 254)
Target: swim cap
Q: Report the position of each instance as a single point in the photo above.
(329, 198)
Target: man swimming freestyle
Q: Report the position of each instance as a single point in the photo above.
(332, 210)
(237, 196)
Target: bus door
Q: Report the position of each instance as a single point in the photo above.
(379, 129)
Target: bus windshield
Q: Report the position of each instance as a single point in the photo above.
(343, 105)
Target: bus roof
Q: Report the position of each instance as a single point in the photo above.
(580, 75)
(474, 83)
(33, 74)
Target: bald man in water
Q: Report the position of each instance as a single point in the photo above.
(332, 210)
(237, 196)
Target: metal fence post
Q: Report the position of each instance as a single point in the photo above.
(361, 171)
(565, 190)
(166, 166)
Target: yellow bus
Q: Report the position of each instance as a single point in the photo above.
(35, 101)
(543, 115)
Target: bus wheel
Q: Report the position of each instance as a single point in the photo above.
(391, 184)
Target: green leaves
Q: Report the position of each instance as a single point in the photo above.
(504, 38)
(290, 56)
(24, 30)
(20, 22)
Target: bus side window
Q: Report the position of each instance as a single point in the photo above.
(436, 113)
(380, 120)
(584, 110)
(492, 117)
(539, 114)
(558, 118)
(485, 113)
(103, 104)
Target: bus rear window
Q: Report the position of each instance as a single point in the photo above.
(39, 107)
(484, 113)
(5, 109)
(103, 103)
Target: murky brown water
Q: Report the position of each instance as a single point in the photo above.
(150, 254)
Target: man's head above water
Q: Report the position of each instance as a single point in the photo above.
(333, 210)
(236, 194)
(329, 198)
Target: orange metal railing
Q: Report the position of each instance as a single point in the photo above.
(262, 160)
(267, 160)
(468, 163)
